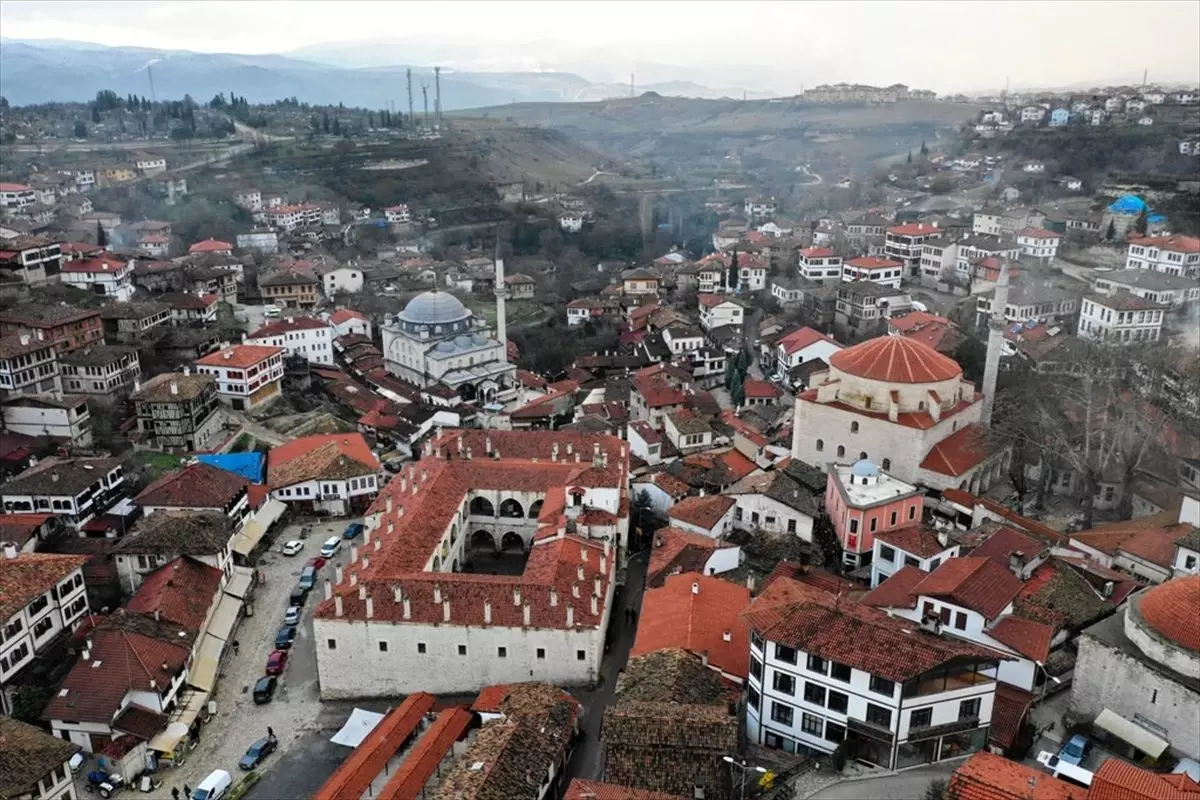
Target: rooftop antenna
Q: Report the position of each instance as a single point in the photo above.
(425, 97)
(410, 107)
(437, 96)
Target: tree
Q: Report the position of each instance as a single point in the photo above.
(101, 236)
(971, 354)
(909, 159)
(95, 114)
(80, 129)
(1142, 222)
(28, 701)
(1111, 232)
(731, 279)
(325, 123)
(924, 149)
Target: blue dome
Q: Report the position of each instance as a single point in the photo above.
(864, 469)
(434, 308)
(1128, 204)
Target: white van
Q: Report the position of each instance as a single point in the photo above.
(1064, 771)
(270, 312)
(214, 787)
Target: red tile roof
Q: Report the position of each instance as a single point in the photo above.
(756, 388)
(322, 455)
(872, 262)
(697, 613)
(119, 661)
(802, 338)
(1038, 233)
(1151, 538)
(422, 761)
(1175, 243)
(963, 498)
(1006, 541)
(657, 392)
(209, 246)
(197, 485)
(287, 324)
(703, 512)
(916, 229)
(979, 584)
(713, 300)
(675, 488)
(594, 790)
(181, 591)
(99, 264)
(20, 528)
(1121, 780)
(817, 252)
(1171, 609)
(895, 359)
(677, 549)
(1008, 712)
(859, 636)
(985, 776)
(916, 539)
(354, 776)
(897, 590)
(1030, 639)
(31, 574)
(239, 356)
(345, 315)
(958, 452)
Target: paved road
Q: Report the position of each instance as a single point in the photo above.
(910, 785)
(587, 761)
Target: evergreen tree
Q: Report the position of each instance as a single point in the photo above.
(80, 130)
(337, 127)
(909, 159)
(101, 236)
(1111, 232)
(325, 122)
(731, 279)
(1142, 222)
(924, 149)
(95, 114)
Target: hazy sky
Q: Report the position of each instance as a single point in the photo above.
(940, 45)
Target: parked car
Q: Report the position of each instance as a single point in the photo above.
(293, 547)
(316, 562)
(264, 690)
(213, 787)
(257, 752)
(276, 662)
(285, 637)
(352, 530)
(1075, 750)
(308, 578)
(298, 596)
(331, 546)
(291, 616)
(270, 312)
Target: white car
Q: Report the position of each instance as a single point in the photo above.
(270, 312)
(331, 546)
(293, 547)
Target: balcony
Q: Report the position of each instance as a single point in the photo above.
(949, 681)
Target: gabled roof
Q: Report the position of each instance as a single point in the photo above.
(331, 456)
(1120, 780)
(701, 614)
(958, 452)
(916, 539)
(288, 324)
(28, 754)
(979, 584)
(802, 338)
(29, 575)
(181, 591)
(703, 512)
(197, 485)
(209, 246)
(896, 591)
(172, 533)
(1030, 639)
(239, 356)
(985, 776)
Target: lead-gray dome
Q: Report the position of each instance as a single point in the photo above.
(434, 308)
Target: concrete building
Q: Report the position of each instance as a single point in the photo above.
(330, 473)
(408, 611)
(1038, 243)
(883, 271)
(863, 501)
(901, 404)
(104, 370)
(38, 261)
(775, 503)
(44, 596)
(819, 264)
(801, 347)
(298, 336)
(104, 275)
(1031, 300)
(74, 489)
(247, 376)
(717, 311)
(17, 195)
(1120, 318)
(1136, 673)
(903, 243)
(1173, 255)
(1173, 291)
(178, 412)
(29, 366)
(67, 421)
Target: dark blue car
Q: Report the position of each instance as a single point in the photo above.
(257, 752)
(352, 530)
(285, 637)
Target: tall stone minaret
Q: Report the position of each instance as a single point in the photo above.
(501, 296)
(995, 343)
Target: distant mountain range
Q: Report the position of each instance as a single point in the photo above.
(45, 71)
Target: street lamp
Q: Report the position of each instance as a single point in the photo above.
(745, 767)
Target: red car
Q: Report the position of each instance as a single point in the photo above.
(276, 662)
(316, 562)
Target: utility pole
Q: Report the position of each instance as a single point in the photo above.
(437, 96)
(150, 75)
(425, 97)
(410, 107)
(1145, 74)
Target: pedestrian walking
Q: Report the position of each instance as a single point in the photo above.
(236, 647)
(270, 732)
(174, 793)
(187, 792)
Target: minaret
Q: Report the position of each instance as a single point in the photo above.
(995, 342)
(501, 296)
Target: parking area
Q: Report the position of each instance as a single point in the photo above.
(296, 706)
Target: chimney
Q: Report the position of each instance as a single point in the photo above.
(583, 553)
(337, 606)
(727, 636)
(353, 553)
(695, 587)
(596, 587)
(54, 477)
(575, 590)
(579, 571)
(1016, 563)
(328, 589)
(370, 607)
(187, 371)
(995, 344)
(597, 461)
(527, 615)
(553, 598)
(388, 503)
(407, 608)
(378, 546)
(362, 591)
(10, 550)
(487, 445)
(24, 339)
(595, 606)
(570, 616)
(603, 565)
(354, 579)
(517, 596)
(366, 562)
(337, 574)
(1108, 589)
(437, 593)
(487, 612)
(445, 610)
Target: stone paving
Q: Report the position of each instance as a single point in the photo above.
(296, 706)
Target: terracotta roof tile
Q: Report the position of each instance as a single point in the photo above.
(29, 575)
(330, 456)
(916, 539)
(1030, 639)
(985, 776)
(958, 452)
(1008, 712)
(182, 591)
(1170, 608)
(701, 614)
(677, 550)
(703, 512)
(197, 485)
(355, 775)
(594, 790)
(289, 324)
(1121, 780)
(979, 584)
(28, 754)
(897, 590)
(800, 339)
(895, 359)
(1006, 541)
(422, 761)
(239, 356)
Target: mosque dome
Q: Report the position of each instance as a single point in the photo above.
(434, 308)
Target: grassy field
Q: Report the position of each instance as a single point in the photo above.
(158, 464)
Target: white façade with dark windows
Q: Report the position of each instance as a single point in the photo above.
(931, 708)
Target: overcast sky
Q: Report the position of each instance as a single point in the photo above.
(939, 45)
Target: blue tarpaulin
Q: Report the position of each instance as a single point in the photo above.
(248, 465)
(1128, 204)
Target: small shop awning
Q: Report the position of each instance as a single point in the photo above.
(203, 674)
(169, 739)
(225, 617)
(254, 530)
(191, 703)
(360, 723)
(239, 582)
(1149, 743)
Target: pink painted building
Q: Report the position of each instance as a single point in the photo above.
(862, 501)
